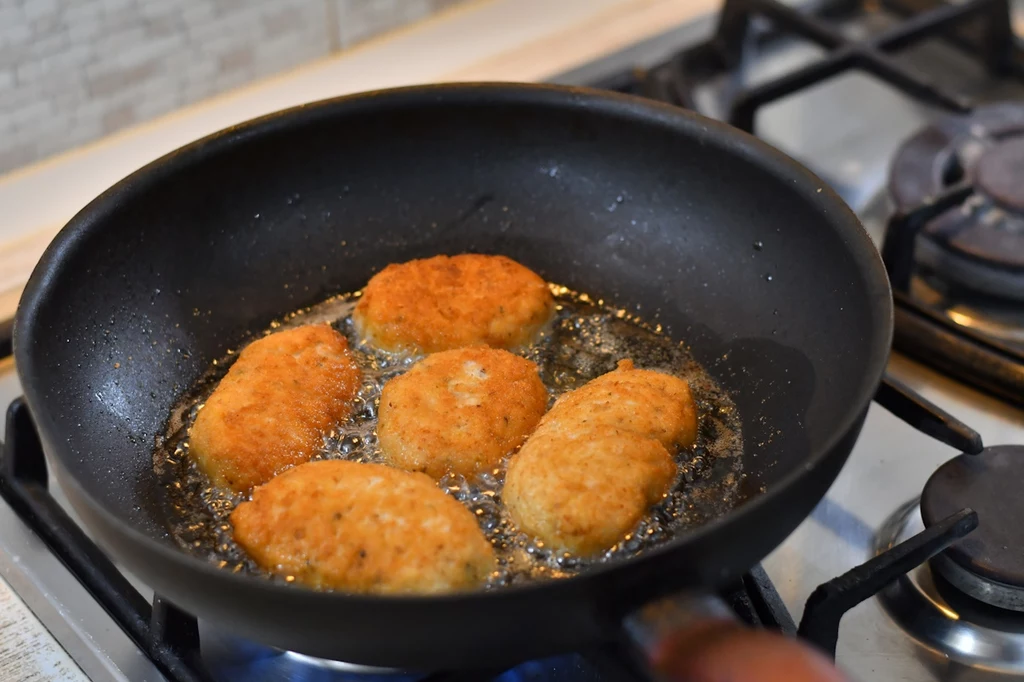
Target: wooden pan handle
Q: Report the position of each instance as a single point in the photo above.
(696, 638)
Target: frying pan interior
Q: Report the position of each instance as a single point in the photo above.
(735, 249)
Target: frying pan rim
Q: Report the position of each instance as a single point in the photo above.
(541, 96)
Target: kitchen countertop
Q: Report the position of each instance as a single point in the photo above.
(496, 40)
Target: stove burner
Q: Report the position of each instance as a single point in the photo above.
(988, 640)
(979, 245)
(227, 657)
(989, 563)
(1000, 174)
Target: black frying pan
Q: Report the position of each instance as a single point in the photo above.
(184, 258)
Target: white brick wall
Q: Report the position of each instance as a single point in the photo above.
(74, 70)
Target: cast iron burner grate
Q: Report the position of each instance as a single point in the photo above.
(170, 638)
(930, 334)
(978, 246)
(982, 29)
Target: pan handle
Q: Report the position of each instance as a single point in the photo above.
(675, 632)
(653, 623)
(695, 637)
(659, 626)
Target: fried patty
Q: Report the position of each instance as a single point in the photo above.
(583, 495)
(272, 408)
(460, 411)
(364, 528)
(648, 403)
(446, 302)
(600, 458)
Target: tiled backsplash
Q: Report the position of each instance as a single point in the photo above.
(73, 71)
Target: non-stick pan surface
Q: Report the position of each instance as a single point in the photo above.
(732, 246)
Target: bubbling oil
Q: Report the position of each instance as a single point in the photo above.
(584, 340)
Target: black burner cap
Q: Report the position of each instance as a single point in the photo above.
(991, 484)
(1000, 173)
(979, 245)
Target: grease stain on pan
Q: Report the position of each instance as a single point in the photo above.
(585, 340)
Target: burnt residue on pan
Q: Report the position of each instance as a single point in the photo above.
(584, 340)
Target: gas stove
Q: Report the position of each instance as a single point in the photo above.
(908, 569)
(913, 112)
